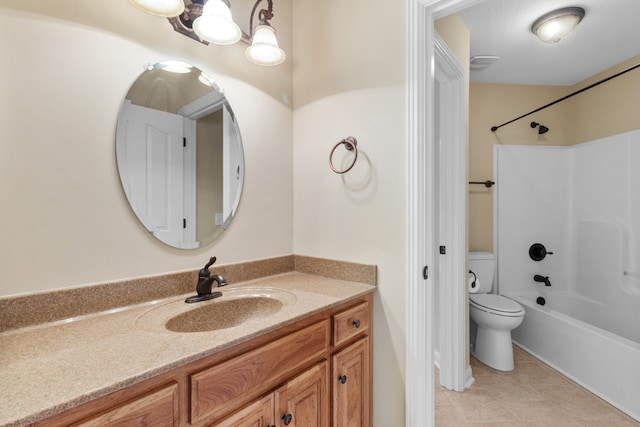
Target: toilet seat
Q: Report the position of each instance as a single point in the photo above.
(496, 304)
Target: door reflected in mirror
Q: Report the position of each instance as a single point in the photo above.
(179, 155)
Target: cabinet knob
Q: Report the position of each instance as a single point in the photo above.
(287, 418)
(356, 323)
(342, 379)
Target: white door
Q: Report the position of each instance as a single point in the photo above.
(149, 150)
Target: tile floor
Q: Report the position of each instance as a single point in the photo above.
(532, 395)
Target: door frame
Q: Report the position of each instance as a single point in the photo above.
(452, 107)
(200, 107)
(420, 75)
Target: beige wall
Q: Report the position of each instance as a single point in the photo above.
(349, 80)
(456, 35)
(64, 220)
(344, 46)
(608, 109)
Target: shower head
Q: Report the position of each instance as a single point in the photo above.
(541, 129)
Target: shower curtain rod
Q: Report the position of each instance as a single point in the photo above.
(495, 128)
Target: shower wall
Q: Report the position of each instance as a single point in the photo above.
(583, 203)
(531, 205)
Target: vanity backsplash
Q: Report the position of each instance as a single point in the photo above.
(43, 307)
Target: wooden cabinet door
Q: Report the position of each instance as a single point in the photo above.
(351, 386)
(258, 414)
(304, 401)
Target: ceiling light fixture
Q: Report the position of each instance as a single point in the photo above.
(555, 26)
(211, 22)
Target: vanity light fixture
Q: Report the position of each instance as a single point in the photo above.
(210, 21)
(558, 24)
(216, 25)
(264, 49)
(164, 8)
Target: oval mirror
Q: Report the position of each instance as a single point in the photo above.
(179, 155)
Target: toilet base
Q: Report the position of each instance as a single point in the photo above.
(494, 349)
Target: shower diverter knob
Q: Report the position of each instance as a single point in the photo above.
(538, 252)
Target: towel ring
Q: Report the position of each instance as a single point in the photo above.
(351, 144)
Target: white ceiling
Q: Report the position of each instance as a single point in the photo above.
(608, 35)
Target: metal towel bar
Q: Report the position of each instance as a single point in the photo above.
(486, 183)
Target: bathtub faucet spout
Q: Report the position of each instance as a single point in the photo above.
(542, 279)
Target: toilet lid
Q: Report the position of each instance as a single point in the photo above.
(496, 303)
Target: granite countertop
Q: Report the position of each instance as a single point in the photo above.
(48, 368)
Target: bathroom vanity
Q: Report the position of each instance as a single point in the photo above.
(293, 374)
(308, 363)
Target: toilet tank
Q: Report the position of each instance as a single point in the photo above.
(483, 265)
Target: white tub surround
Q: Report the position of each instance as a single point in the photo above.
(583, 204)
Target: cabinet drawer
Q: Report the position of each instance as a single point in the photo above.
(259, 413)
(350, 323)
(225, 387)
(158, 408)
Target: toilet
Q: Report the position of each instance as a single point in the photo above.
(493, 315)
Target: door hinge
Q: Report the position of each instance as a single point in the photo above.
(425, 272)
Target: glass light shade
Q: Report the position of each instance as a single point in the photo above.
(556, 25)
(165, 8)
(264, 49)
(216, 24)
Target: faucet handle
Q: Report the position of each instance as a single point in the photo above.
(212, 261)
(205, 270)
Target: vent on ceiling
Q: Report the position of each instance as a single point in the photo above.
(480, 62)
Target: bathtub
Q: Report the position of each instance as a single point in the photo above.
(603, 362)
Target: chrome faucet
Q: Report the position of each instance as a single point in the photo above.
(542, 279)
(205, 283)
